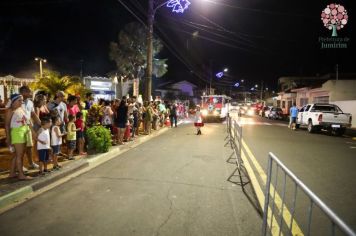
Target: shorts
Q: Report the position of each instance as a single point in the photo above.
(121, 125)
(72, 144)
(80, 134)
(294, 120)
(43, 155)
(56, 149)
(19, 134)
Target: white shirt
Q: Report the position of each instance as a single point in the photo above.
(198, 118)
(44, 136)
(18, 118)
(61, 108)
(55, 139)
(28, 108)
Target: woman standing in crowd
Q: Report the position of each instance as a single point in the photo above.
(17, 128)
(107, 116)
(121, 120)
(41, 109)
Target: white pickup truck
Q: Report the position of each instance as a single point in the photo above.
(324, 116)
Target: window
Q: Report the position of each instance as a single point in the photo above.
(323, 99)
(283, 104)
(289, 104)
(303, 101)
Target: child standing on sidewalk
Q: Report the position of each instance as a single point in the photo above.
(79, 124)
(44, 144)
(71, 136)
(56, 141)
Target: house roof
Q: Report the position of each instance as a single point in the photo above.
(170, 84)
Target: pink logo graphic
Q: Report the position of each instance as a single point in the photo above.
(334, 17)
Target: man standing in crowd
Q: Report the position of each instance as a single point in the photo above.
(293, 114)
(29, 109)
(173, 115)
(61, 108)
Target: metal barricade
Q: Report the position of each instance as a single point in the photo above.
(234, 130)
(274, 222)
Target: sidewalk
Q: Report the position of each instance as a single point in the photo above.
(13, 190)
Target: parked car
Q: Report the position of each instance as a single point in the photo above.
(263, 110)
(275, 113)
(324, 116)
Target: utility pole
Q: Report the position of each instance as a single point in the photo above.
(148, 81)
(41, 60)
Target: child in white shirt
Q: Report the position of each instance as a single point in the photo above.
(43, 144)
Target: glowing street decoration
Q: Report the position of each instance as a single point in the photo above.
(237, 84)
(179, 6)
(219, 75)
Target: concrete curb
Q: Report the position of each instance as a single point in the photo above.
(82, 164)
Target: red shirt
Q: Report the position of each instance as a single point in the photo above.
(79, 124)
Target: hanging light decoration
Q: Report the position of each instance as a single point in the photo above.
(178, 6)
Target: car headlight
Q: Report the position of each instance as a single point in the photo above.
(204, 112)
(250, 112)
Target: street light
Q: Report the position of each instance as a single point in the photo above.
(177, 7)
(40, 60)
(226, 70)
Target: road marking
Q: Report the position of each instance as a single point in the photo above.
(296, 230)
(260, 196)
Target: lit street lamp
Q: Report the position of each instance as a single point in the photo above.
(40, 60)
(178, 6)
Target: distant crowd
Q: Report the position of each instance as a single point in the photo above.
(56, 127)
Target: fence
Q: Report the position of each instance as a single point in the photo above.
(275, 222)
(234, 138)
(336, 224)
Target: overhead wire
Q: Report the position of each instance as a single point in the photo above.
(140, 8)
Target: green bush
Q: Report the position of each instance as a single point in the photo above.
(99, 138)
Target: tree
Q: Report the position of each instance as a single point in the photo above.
(130, 51)
(53, 82)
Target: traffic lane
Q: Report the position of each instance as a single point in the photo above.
(324, 163)
(174, 184)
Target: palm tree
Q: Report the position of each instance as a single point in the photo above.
(52, 82)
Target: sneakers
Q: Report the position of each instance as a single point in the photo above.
(71, 158)
(33, 166)
(24, 169)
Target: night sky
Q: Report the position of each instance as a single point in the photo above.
(258, 40)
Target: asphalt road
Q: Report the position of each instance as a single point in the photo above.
(326, 164)
(174, 184)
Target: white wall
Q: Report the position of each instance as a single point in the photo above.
(348, 107)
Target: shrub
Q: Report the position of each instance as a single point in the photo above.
(99, 138)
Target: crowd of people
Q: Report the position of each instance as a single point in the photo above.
(55, 127)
